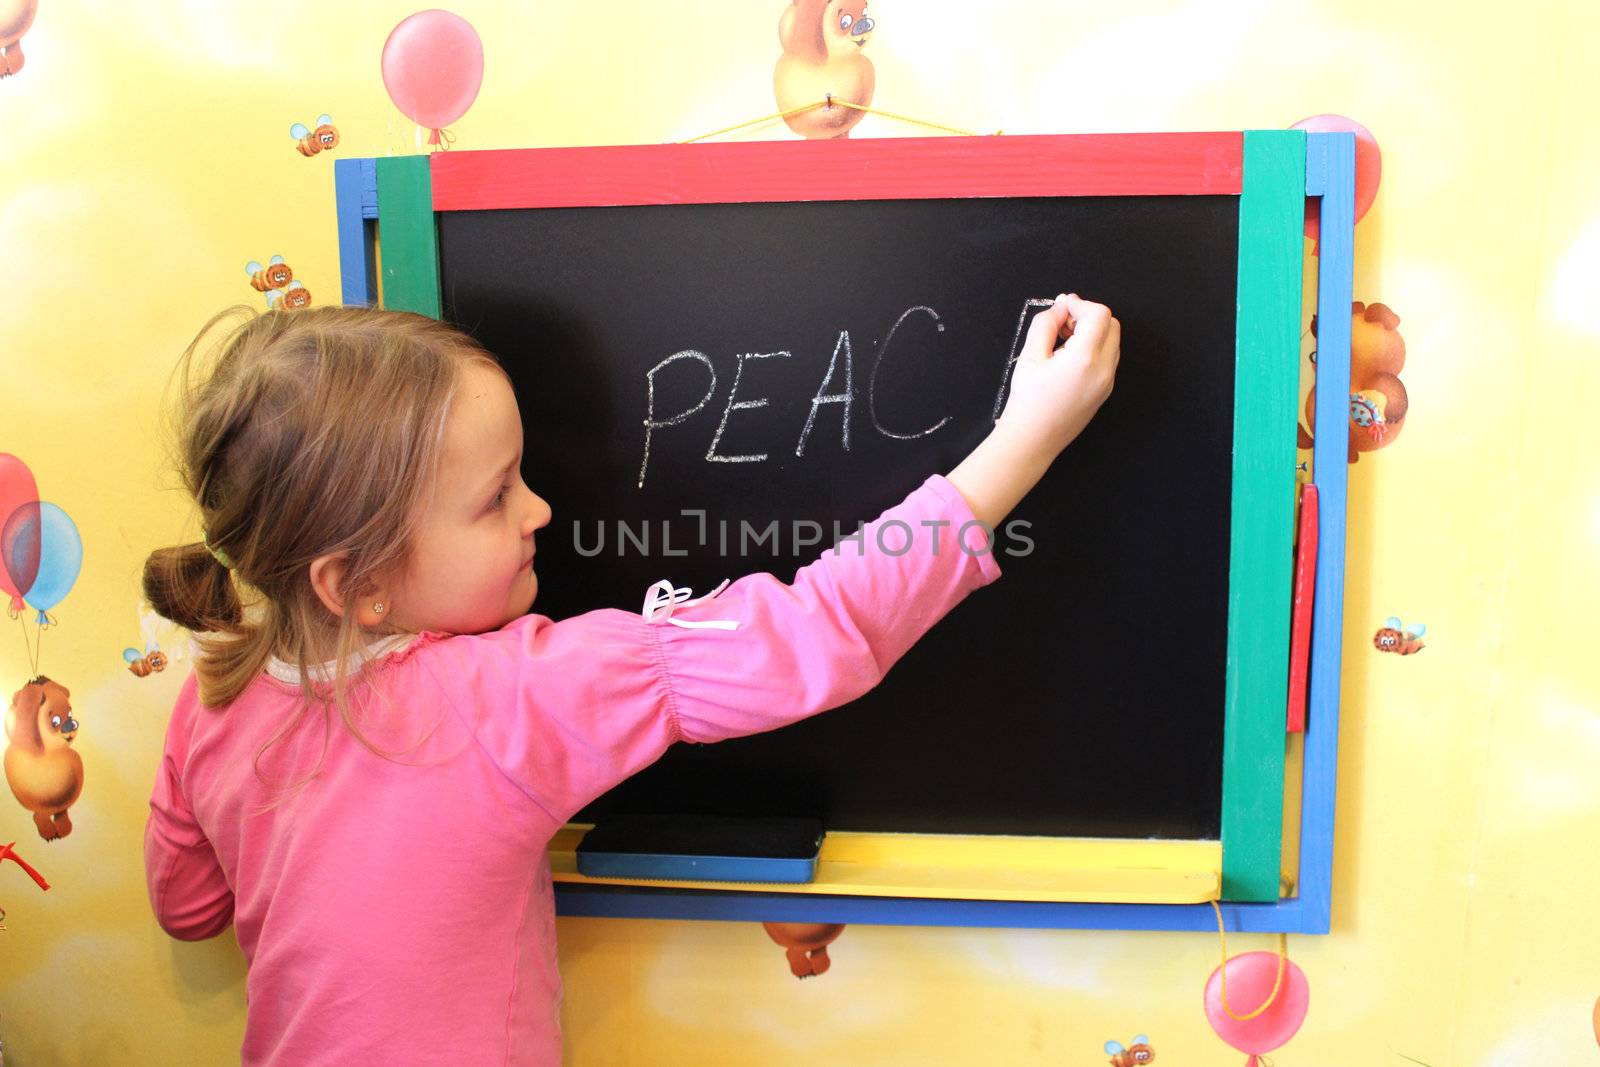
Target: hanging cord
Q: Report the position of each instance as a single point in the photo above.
(754, 122)
(1277, 984)
(905, 118)
(829, 101)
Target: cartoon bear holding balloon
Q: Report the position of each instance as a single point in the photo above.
(41, 554)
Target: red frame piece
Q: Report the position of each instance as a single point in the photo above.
(914, 168)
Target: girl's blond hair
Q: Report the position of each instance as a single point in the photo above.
(316, 431)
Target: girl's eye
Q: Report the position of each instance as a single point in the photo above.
(500, 498)
(845, 20)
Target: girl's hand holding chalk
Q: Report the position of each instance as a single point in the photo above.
(1054, 393)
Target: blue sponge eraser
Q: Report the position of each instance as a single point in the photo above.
(702, 848)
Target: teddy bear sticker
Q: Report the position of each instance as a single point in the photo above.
(16, 16)
(823, 65)
(43, 771)
(805, 945)
(1378, 400)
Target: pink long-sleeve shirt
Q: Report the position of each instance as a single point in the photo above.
(400, 910)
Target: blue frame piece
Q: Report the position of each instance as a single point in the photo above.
(1330, 176)
(355, 194)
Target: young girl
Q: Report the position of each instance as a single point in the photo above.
(378, 742)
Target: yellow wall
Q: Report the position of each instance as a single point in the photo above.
(146, 158)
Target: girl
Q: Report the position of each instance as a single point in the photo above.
(369, 556)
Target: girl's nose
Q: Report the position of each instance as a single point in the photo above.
(863, 25)
(539, 515)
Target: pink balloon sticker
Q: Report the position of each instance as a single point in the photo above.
(17, 489)
(1250, 980)
(433, 67)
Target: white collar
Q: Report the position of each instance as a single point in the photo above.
(324, 672)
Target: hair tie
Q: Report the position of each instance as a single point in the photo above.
(216, 553)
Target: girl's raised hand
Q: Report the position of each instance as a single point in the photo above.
(1056, 391)
(1054, 394)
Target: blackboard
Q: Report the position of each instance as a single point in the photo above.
(1080, 695)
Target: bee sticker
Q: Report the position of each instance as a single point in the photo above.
(152, 660)
(141, 664)
(275, 275)
(1398, 638)
(1136, 1053)
(276, 280)
(310, 142)
(293, 295)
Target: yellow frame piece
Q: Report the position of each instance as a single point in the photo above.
(957, 867)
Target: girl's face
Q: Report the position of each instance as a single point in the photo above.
(471, 564)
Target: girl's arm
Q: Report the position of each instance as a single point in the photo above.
(188, 891)
(568, 709)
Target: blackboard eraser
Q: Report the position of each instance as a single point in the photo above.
(702, 848)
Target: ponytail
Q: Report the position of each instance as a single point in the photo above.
(187, 584)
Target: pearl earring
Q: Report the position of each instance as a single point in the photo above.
(378, 608)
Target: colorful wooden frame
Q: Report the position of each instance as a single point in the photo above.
(1272, 172)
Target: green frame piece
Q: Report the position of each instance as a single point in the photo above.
(408, 238)
(1260, 555)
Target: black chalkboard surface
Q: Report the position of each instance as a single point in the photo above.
(1082, 694)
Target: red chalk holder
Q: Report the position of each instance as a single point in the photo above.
(8, 853)
(1305, 586)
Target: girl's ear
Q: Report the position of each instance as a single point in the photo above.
(328, 579)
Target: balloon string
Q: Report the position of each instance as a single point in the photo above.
(827, 101)
(32, 651)
(1277, 984)
(442, 137)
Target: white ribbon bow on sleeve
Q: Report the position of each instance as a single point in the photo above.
(662, 599)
